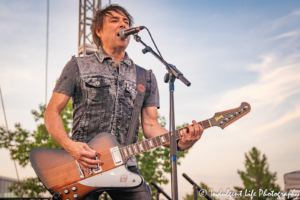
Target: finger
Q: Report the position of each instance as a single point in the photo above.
(185, 133)
(191, 130)
(196, 128)
(89, 161)
(86, 165)
(89, 151)
(82, 166)
(184, 130)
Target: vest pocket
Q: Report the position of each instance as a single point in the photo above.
(97, 88)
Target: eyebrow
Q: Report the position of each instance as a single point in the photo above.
(114, 17)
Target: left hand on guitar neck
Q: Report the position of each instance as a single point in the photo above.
(190, 137)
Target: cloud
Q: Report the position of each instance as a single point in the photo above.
(297, 12)
(286, 35)
(285, 19)
(290, 115)
(278, 79)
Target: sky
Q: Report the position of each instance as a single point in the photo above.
(231, 51)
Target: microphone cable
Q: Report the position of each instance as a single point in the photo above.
(154, 42)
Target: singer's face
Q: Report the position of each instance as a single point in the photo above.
(109, 34)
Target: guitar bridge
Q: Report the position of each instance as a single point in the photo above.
(99, 169)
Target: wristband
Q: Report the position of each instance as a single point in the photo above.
(178, 149)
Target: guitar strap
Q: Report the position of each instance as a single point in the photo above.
(141, 80)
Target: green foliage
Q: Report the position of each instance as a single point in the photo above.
(153, 164)
(32, 187)
(23, 141)
(257, 177)
(203, 186)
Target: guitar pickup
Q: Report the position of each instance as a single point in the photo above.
(99, 169)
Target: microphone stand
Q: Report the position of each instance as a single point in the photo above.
(170, 77)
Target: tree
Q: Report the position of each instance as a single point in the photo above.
(203, 186)
(152, 164)
(257, 177)
(24, 141)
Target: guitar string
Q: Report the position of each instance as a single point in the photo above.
(106, 157)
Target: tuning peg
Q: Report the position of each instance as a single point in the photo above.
(241, 110)
(246, 107)
(236, 114)
(226, 119)
(221, 122)
(230, 116)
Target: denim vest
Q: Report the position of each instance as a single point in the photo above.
(103, 99)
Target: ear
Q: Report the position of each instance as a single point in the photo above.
(99, 32)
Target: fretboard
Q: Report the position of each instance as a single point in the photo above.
(152, 143)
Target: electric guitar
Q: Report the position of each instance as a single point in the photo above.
(64, 178)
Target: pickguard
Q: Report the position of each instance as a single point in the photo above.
(117, 177)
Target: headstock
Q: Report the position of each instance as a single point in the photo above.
(223, 119)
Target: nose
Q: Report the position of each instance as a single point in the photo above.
(122, 24)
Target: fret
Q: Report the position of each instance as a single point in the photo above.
(129, 150)
(135, 149)
(206, 124)
(201, 124)
(154, 142)
(147, 145)
(141, 147)
(144, 146)
(125, 152)
(167, 136)
(158, 141)
(151, 143)
(122, 153)
(162, 139)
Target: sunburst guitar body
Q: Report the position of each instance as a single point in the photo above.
(64, 178)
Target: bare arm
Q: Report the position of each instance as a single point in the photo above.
(81, 152)
(151, 128)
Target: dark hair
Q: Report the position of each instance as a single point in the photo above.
(100, 16)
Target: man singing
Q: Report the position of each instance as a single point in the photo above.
(103, 89)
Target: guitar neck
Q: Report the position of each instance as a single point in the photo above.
(152, 143)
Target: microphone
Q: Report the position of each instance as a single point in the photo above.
(124, 33)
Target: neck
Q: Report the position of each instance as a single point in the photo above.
(151, 143)
(117, 53)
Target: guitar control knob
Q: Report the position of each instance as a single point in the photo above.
(133, 180)
(221, 122)
(231, 116)
(226, 119)
(236, 114)
(67, 191)
(75, 196)
(241, 110)
(74, 188)
(246, 107)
